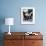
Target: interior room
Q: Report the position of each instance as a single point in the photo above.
(12, 20)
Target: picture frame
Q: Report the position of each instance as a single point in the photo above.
(27, 15)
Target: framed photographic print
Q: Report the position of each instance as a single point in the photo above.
(27, 15)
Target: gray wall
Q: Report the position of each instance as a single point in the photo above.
(11, 8)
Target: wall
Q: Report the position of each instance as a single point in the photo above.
(11, 8)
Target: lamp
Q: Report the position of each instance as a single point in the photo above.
(9, 21)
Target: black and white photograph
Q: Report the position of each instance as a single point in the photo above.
(27, 15)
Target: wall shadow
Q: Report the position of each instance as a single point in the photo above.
(2, 21)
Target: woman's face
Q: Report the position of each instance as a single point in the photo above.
(26, 12)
